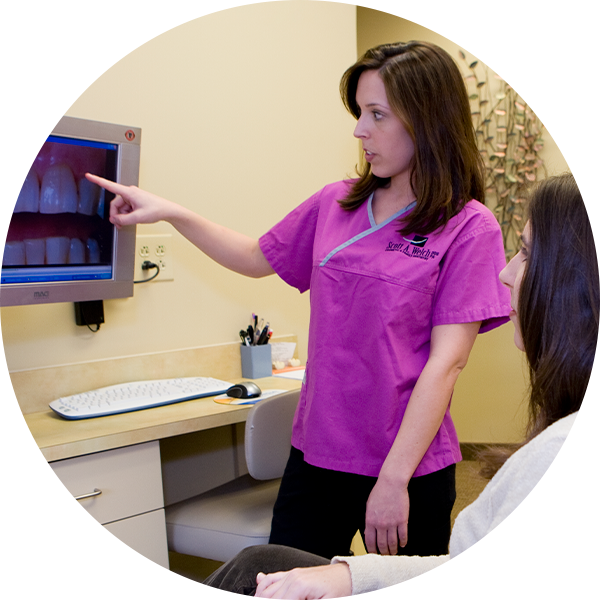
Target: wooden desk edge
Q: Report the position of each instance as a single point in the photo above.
(59, 438)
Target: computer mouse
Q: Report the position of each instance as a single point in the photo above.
(245, 389)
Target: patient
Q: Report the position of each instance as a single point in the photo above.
(555, 299)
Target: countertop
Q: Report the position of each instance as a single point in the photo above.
(60, 438)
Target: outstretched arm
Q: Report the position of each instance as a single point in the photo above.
(233, 250)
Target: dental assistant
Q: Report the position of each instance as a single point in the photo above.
(402, 266)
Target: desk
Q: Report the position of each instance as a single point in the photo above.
(145, 460)
(59, 438)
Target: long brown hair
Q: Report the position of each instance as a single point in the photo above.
(559, 300)
(426, 90)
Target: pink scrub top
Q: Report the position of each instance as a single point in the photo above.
(375, 296)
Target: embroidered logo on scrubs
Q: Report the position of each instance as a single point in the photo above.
(418, 240)
(413, 249)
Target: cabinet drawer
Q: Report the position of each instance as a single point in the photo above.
(129, 480)
(146, 534)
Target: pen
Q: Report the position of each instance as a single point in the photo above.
(257, 333)
(262, 338)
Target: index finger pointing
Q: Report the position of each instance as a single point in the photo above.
(111, 186)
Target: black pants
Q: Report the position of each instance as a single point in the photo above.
(239, 574)
(319, 510)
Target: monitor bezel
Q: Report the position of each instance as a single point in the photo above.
(120, 285)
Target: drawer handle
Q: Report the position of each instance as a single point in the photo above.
(96, 492)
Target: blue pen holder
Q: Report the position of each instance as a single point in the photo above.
(256, 361)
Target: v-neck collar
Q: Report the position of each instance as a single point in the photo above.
(396, 215)
(372, 229)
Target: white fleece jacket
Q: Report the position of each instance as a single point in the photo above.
(505, 491)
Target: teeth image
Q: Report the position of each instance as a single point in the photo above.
(89, 196)
(14, 254)
(59, 192)
(100, 209)
(35, 251)
(76, 252)
(57, 250)
(29, 196)
(93, 251)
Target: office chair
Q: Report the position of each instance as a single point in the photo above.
(219, 523)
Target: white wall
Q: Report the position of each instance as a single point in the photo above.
(241, 121)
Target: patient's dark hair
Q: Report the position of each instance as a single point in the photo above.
(558, 305)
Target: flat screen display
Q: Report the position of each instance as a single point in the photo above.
(59, 230)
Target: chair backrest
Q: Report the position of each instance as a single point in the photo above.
(268, 435)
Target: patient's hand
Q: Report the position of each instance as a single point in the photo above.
(328, 581)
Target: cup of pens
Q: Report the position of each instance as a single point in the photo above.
(255, 349)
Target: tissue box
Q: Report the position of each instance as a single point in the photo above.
(256, 361)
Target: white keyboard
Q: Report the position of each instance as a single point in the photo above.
(137, 395)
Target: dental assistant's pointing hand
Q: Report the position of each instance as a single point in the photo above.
(233, 250)
(132, 205)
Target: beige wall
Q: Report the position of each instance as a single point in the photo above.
(242, 134)
(241, 121)
(489, 399)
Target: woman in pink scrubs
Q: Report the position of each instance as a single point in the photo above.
(553, 281)
(402, 265)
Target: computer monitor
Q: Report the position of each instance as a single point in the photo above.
(60, 245)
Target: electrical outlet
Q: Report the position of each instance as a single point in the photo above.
(157, 249)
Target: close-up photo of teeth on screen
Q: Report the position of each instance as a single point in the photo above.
(59, 216)
(189, 189)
